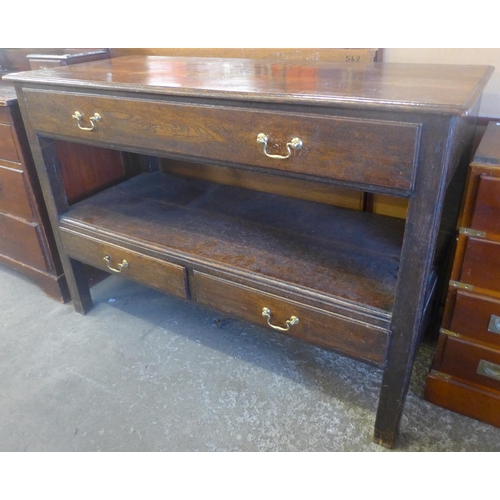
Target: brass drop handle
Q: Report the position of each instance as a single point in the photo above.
(123, 264)
(93, 120)
(266, 312)
(295, 143)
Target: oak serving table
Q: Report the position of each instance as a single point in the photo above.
(248, 238)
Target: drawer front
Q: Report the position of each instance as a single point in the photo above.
(8, 149)
(481, 264)
(473, 401)
(360, 151)
(472, 362)
(476, 316)
(23, 242)
(158, 274)
(486, 215)
(316, 326)
(14, 198)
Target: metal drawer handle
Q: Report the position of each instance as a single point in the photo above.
(93, 119)
(121, 266)
(295, 143)
(488, 369)
(266, 312)
(494, 324)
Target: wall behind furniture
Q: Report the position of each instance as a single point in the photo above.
(490, 103)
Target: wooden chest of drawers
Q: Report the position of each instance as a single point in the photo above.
(355, 282)
(465, 375)
(26, 238)
(26, 242)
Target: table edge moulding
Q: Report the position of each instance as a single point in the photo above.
(358, 283)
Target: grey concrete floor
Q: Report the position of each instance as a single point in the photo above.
(147, 372)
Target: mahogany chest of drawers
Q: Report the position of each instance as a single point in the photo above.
(465, 375)
(26, 242)
(355, 282)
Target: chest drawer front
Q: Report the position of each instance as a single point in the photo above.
(361, 151)
(472, 362)
(23, 242)
(476, 316)
(481, 264)
(158, 274)
(486, 215)
(316, 326)
(4, 115)
(14, 199)
(8, 150)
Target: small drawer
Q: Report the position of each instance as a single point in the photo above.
(23, 242)
(304, 322)
(158, 274)
(481, 264)
(8, 149)
(472, 362)
(476, 316)
(14, 198)
(486, 214)
(361, 151)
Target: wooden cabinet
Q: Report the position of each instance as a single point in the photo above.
(235, 218)
(26, 242)
(465, 375)
(26, 237)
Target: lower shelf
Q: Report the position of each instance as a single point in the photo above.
(336, 267)
(333, 251)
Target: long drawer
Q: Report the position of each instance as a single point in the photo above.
(14, 198)
(158, 274)
(375, 152)
(307, 323)
(476, 363)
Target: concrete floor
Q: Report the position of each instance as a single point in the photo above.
(147, 372)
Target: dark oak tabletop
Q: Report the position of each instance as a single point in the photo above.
(448, 89)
